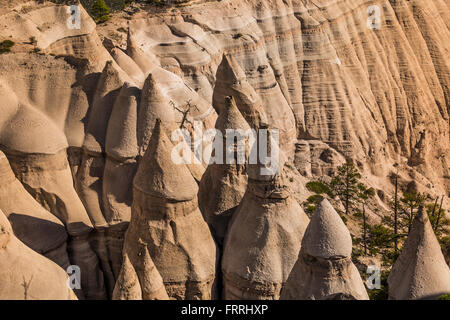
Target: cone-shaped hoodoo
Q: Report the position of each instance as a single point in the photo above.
(324, 269)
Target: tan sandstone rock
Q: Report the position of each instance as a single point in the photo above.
(25, 274)
(32, 224)
(223, 185)
(166, 221)
(264, 237)
(324, 268)
(420, 271)
(231, 81)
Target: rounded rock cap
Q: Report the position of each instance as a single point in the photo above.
(326, 235)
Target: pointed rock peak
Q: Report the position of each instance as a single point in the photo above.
(231, 117)
(151, 87)
(160, 174)
(127, 286)
(151, 273)
(229, 70)
(109, 79)
(131, 43)
(128, 267)
(327, 236)
(152, 283)
(420, 271)
(152, 94)
(108, 66)
(154, 104)
(421, 239)
(121, 136)
(421, 219)
(143, 61)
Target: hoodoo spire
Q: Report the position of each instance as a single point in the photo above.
(324, 269)
(420, 271)
(166, 222)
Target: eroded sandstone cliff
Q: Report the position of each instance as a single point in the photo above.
(78, 108)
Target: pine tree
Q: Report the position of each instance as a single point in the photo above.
(345, 185)
(364, 194)
(100, 11)
(410, 202)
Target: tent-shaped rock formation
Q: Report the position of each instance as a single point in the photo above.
(264, 237)
(324, 269)
(420, 271)
(166, 221)
(232, 81)
(223, 185)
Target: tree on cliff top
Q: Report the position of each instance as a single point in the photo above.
(100, 11)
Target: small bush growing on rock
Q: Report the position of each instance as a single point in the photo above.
(5, 46)
(445, 297)
(100, 11)
(318, 187)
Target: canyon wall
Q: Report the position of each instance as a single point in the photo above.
(79, 102)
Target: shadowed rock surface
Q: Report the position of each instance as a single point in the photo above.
(32, 224)
(26, 275)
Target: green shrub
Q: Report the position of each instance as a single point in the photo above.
(311, 203)
(318, 187)
(5, 46)
(100, 11)
(444, 297)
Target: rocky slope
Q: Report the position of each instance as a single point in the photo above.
(79, 105)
